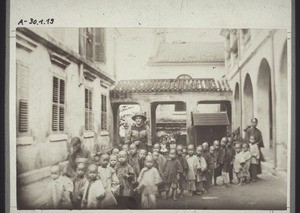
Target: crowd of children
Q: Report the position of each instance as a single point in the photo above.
(130, 178)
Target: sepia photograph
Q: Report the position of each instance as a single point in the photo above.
(152, 118)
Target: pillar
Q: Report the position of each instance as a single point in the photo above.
(191, 106)
(116, 122)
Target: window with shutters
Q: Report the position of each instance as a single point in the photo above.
(58, 105)
(92, 44)
(103, 112)
(88, 105)
(22, 97)
(180, 107)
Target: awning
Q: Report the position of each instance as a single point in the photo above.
(210, 119)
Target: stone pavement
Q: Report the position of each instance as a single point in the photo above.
(270, 192)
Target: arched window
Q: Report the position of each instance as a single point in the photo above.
(184, 76)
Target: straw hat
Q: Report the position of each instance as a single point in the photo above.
(142, 115)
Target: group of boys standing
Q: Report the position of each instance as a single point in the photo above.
(134, 178)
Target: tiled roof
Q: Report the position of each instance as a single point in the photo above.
(169, 85)
(210, 119)
(190, 52)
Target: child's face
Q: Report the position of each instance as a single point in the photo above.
(132, 149)
(113, 160)
(179, 150)
(149, 162)
(172, 154)
(252, 140)
(80, 170)
(97, 160)
(199, 151)
(184, 152)
(92, 172)
(237, 149)
(156, 148)
(245, 148)
(55, 172)
(223, 143)
(122, 158)
(115, 151)
(125, 148)
(142, 154)
(212, 150)
(104, 160)
(216, 144)
(155, 156)
(172, 146)
(191, 150)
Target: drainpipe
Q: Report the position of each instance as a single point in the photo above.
(240, 86)
(271, 34)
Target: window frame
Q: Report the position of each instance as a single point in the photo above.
(104, 125)
(60, 104)
(97, 38)
(22, 96)
(88, 109)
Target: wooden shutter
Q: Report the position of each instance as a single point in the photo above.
(22, 97)
(103, 112)
(99, 45)
(88, 109)
(58, 109)
(54, 117)
(55, 90)
(89, 43)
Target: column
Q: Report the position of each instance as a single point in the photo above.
(191, 106)
(116, 123)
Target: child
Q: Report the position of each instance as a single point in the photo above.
(109, 181)
(237, 167)
(126, 176)
(93, 192)
(159, 166)
(115, 151)
(125, 148)
(171, 171)
(219, 157)
(172, 144)
(201, 171)
(193, 166)
(142, 156)
(255, 155)
(96, 159)
(148, 180)
(208, 154)
(60, 189)
(245, 163)
(231, 153)
(79, 182)
(226, 161)
(184, 151)
(182, 179)
(134, 159)
(161, 158)
(113, 159)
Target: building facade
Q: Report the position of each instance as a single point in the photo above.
(257, 69)
(63, 81)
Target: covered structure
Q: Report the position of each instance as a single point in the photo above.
(152, 92)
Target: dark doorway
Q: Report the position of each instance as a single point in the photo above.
(209, 134)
